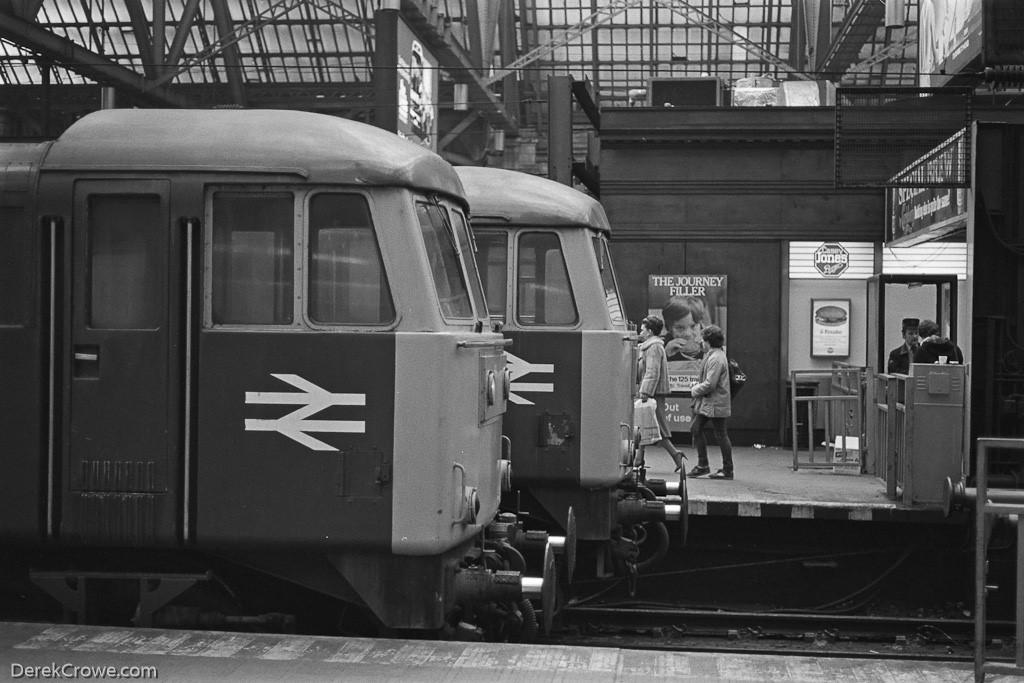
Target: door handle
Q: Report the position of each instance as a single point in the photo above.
(86, 361)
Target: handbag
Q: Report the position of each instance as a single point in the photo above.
(645, 419)
(737, 378)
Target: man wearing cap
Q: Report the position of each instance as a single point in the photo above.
(899, 358)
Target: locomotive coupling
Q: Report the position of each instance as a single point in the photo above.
(507, 528)
(639, 510)
(477, 584)
(661, 487)
(959, 498)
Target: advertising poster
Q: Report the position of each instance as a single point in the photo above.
(687, 304)
(417, 90)
(830, 328)
(949, 38)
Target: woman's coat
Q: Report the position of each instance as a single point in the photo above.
(653, 367)
(712, 396)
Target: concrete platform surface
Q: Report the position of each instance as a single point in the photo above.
(37, 651)
(766, 484)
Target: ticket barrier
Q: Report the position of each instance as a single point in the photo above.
(916, 431)
(934, 431)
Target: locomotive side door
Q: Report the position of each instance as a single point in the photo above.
(121, 444)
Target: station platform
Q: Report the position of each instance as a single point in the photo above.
(156, 654)
(766, 485)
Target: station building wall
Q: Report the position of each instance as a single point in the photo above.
(724, 191)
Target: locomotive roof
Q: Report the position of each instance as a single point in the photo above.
(326, 148)
(522, 199)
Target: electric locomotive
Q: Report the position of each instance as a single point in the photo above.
(542, 251)
(254, 335)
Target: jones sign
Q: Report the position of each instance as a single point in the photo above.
(831, 259)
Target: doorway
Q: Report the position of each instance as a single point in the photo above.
(891, 298)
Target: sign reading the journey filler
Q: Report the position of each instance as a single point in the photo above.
(830, 328)
(687, 304)
(417, 90)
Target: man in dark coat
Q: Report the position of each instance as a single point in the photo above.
(899, 358)
(936, 349)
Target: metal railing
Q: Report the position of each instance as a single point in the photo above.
(990, 504)
(841, 411)
(888, 431)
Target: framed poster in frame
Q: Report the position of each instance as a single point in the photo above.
(830, 328)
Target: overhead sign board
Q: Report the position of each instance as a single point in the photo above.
(919, 214)
(417, 89)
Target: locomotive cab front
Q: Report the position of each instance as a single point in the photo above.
(544, 258)
(266, 340)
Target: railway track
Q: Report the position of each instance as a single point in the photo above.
(795, 633)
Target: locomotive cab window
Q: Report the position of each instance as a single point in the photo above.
(347, 283)
(611, 290)
(492, 262)
(443, 256)
(543, 293)
(464, 240)
(124, 266)
(15, 268)
(253, 265)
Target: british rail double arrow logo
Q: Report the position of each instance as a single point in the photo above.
(313, 399)
(520, 368)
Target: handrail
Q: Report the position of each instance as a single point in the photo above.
(54, 225)
(190, 226)
(984, 508)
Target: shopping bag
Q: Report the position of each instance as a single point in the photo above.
(645, 419)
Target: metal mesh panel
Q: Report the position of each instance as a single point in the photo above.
(1004, 32)
(882, 133)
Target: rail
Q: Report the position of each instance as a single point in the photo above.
(986, 508)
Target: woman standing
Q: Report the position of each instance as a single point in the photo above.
(712, 402)
(654, 381)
